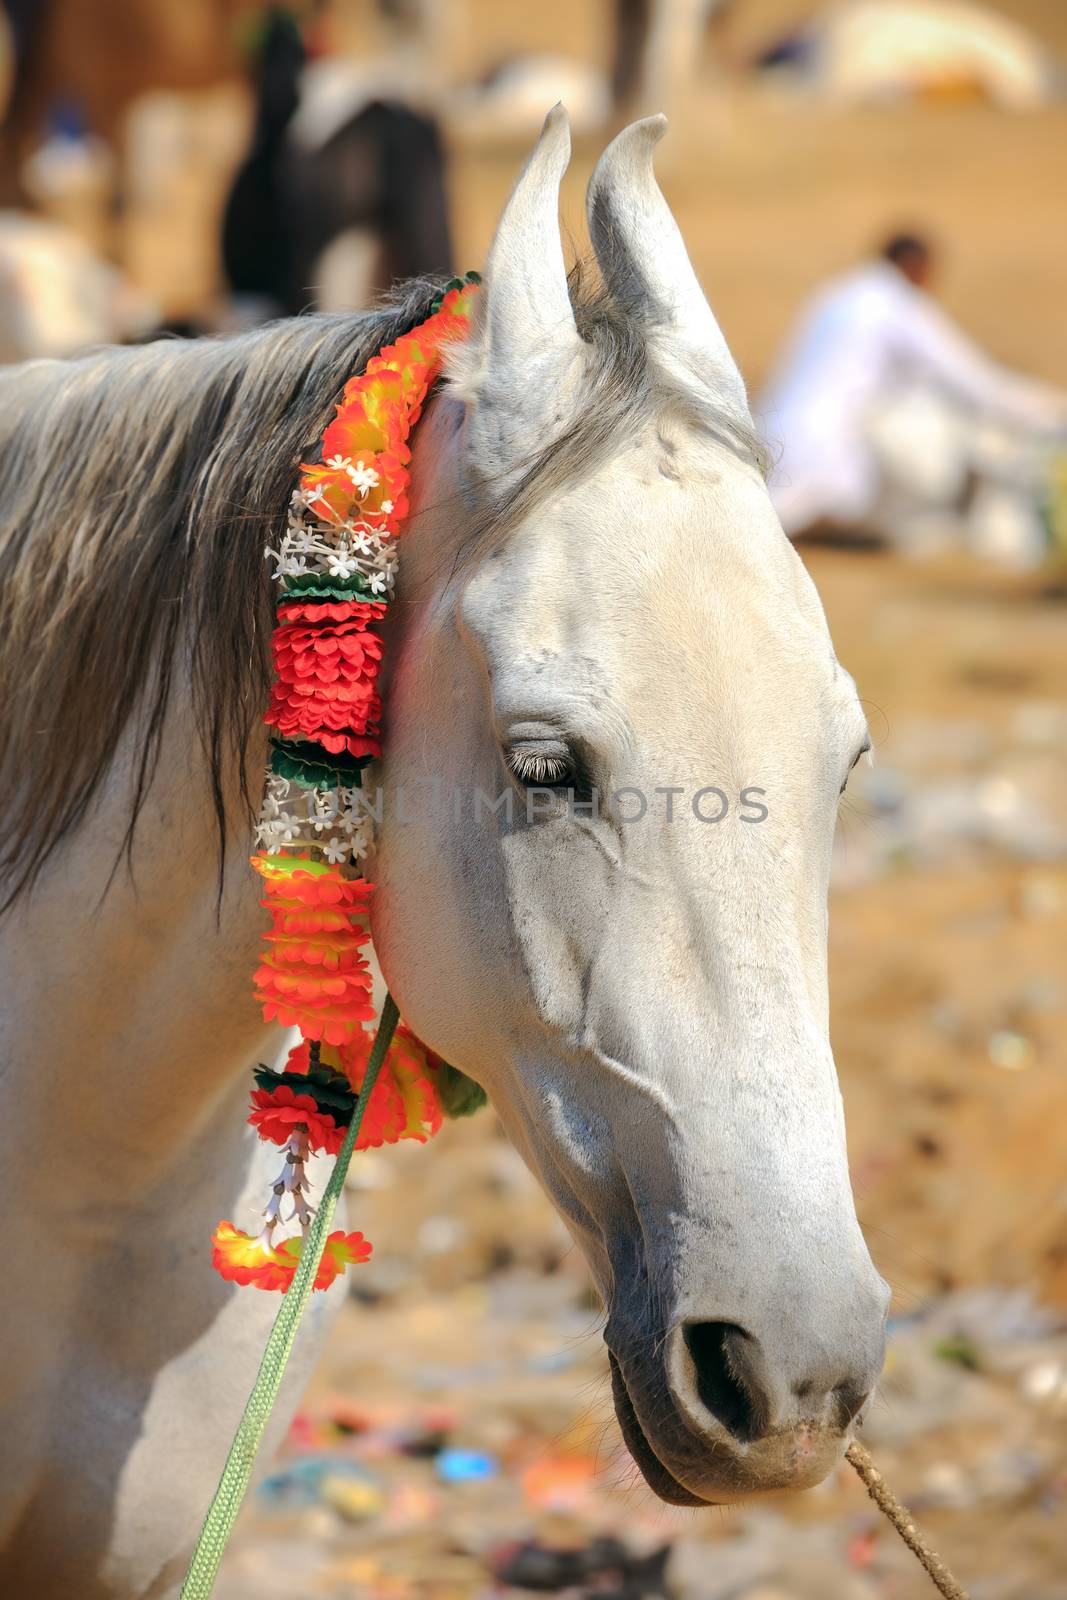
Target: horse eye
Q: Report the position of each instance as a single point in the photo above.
(539, 770)
(864, 750)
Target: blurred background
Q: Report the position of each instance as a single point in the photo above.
(187, 166)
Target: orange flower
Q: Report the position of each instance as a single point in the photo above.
(239, 1258)
(370, 418)
(415, 1110)
(404, 1103)
(342, 1250)
(378, 409)
(416, 1082)
(328, 1007)
(331, 493)
(312, 975)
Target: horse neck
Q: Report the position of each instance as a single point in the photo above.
(134, 1022)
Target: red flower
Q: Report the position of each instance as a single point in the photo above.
(384, 1118)
(348, 744)
(276, 1112)
(325, 681)
(342, 649)
(404, 1103)
(326, 660)
(297, 609)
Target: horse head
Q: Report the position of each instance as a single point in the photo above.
(615, 696)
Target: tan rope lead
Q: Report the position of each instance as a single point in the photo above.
(901, 1518)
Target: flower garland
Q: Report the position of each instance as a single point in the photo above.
(336, 566)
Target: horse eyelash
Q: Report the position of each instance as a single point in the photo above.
(533, 769)
(868, 751)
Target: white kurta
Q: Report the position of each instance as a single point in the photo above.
(860, 339)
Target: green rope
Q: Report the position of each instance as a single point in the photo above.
(237, 1473)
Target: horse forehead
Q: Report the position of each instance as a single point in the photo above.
(673, 547)
(678, 505)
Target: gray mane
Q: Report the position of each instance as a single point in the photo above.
(138, 488)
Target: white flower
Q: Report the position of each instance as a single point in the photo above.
(376, 583)
(336, 852)
(340, 463)
(293, 566)
(387, 507)
(363, 542)
(358, 826)
(322, 809)
(361, 837)
(307, 543)
(269, 834)
(362, 476)
(341, 564)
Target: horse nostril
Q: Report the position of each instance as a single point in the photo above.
(847, 1399)
(726, 1382)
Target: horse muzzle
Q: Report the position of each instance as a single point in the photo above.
(708, 1420)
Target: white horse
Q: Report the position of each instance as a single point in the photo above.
(595, 596)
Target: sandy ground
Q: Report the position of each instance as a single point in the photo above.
(475, 1327)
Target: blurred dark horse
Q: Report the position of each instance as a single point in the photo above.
(377, 182)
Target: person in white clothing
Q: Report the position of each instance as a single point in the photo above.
(863, 338)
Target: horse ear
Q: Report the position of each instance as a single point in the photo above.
(524, 337)
(645, 265)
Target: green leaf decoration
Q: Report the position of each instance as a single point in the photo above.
(332, 1095)
(320, 586)
(460, 1096)
(315, 768)
(453, 283)
(438, 299)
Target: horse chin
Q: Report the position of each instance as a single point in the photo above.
(662, 1482)
(795, 1457)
